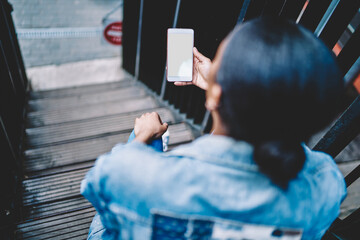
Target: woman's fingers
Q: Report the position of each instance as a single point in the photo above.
(200, 61)
(164, 127)
(182, 83)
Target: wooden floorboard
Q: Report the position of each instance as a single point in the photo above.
(71, 91)
(41, 118)
(54, 208)
(58, 170)
(85, 99)
(41, 222)
(57, 227)
(52, 188)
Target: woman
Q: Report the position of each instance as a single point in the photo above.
(270, 87)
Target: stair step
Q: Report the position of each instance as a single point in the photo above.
(41, 118)
(54, 208)
(88, 150)
(72, 91)
(53, 188)
(64, 226)
(70, 131)
(84, 99)
(60, 169)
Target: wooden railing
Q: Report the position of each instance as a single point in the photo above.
(144, 54)
(13, 87)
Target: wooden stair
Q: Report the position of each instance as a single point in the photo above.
(66, 130)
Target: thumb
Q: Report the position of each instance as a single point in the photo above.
(198, 55)
(165, 126)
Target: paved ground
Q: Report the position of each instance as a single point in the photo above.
(54, 14)
(76, 74)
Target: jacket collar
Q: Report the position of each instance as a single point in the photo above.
(220, 150)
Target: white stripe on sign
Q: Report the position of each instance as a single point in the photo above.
(42, 33)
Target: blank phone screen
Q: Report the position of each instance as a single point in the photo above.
(180, 55)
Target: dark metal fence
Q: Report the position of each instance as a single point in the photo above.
(144, 53)
(13, 86)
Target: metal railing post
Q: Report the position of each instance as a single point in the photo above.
(243, 11)
(138, 45)
(345, 129)
(326, 17)
(163, 86)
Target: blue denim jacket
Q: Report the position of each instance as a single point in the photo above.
(212, 176)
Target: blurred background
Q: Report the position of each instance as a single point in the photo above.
(67, 38)
(73, 30)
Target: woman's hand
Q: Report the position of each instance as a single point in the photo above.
(201, 69)
(149, 127)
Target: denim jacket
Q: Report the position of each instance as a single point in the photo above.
(212, 176)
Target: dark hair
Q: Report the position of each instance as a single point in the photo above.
(280, 84)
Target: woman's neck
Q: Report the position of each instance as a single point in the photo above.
(218, 127)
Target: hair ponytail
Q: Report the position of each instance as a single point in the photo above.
(281, 161)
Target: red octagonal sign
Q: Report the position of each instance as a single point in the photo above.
(113, 33)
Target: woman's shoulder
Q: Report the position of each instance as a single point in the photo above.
(318, 162)
(326, 188)
(323, 172)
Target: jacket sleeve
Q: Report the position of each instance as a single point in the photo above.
(115, 182)
(91, 189)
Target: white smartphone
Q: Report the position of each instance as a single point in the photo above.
(180, 43)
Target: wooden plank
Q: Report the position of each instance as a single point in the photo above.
(54, 208)
(33, 223)
(54, 187)
(62, 189)
(36, 119)
(58, 170)
(55, 226)
(80, 233)
(86, 99)
(82, 236)
(43, 180)
(57, 185)
(59, 229)
(67, 192)
(70, 131)
(72, 91)
(70, 153)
